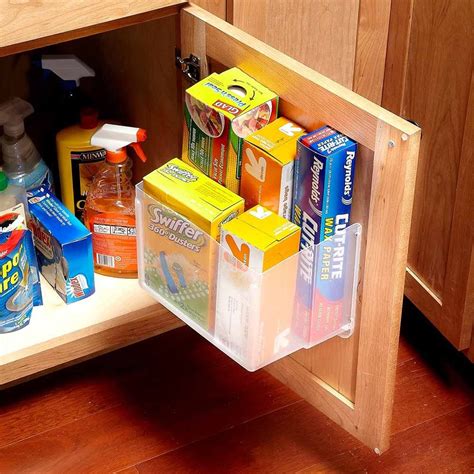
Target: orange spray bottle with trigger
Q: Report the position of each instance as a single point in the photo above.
(109, 211)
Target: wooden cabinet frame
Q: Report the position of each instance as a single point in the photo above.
(352, 380)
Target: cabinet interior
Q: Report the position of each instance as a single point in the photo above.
(138, 84)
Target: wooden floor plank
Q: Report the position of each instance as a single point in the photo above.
(433, 378)
(283, 441)
(170, 400)
(441, 445)
(175, 403)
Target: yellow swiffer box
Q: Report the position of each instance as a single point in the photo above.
(267, 166)
(184, 211)
(253, 312)
(219, 112)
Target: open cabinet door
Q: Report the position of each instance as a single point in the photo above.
(350, 380)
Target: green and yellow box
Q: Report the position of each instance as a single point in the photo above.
(219, 112)
(183, 211)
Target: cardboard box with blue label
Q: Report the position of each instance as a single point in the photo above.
(323, 185)
(63, 247)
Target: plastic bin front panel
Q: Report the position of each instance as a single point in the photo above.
(253, 317)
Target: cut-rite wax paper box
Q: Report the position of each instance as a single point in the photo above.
(268, 164)
(253, 312)
(219, 112)
(63, 247)
(183, 214)
(324, 173)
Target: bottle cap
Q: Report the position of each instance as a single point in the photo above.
(89, 118)
(3, 181)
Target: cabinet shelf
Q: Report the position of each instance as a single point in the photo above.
(119, 313)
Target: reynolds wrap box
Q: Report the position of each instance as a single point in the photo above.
(254, 312)
(183, 214)
(267, 166)
(63, 247)
(219, 112)
(323, 185)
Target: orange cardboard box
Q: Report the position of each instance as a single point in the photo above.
(267, 166)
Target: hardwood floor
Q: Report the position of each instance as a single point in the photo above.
(152, 408)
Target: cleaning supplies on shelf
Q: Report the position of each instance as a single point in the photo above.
(219, 112)
(324, 173)
(63, 247)
(185, 211)
(22, 162)
(70, 70)
(109, 211)
(267, 166)
(79, 161)
(259, 239)
(20, 289)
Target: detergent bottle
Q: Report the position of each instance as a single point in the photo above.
(109, 211)
(20, 289)
(22, 162)
(78, 160)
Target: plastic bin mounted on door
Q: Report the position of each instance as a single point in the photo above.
(253, 317)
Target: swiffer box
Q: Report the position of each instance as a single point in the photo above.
(324, 172)
(267, 166)
(63, 247)
(219, 112)
(253, 308)
(184, 211)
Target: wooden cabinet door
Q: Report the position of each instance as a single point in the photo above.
(350, 380)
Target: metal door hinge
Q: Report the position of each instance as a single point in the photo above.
(190, 66)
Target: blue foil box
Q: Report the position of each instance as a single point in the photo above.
(323, 185)
(63, 247)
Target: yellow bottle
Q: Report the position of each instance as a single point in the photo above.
(109, 212)
(79, 161)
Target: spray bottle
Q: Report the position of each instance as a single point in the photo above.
(70, 69)
(21, 161)
(110, 205)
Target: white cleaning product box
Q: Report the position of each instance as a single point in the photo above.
(254, 306)
(63, 247)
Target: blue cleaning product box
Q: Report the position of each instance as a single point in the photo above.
(20, 288)
(63, 246)
(323, 185)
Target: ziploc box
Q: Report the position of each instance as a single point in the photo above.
(324, 171)
(219, 112)
(254, 312)
(183, 214)
(267, 166)
(63, 247)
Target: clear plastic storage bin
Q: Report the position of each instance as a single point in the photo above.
(253, 317)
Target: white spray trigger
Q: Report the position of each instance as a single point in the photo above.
(12, 115)
(67, 66)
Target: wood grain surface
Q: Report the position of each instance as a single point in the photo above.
(320, 34)
(174, 403)
(28, 24)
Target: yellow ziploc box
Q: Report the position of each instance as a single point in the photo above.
(183, 214)
(254, 312)
(219, 112)
(267, 166)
